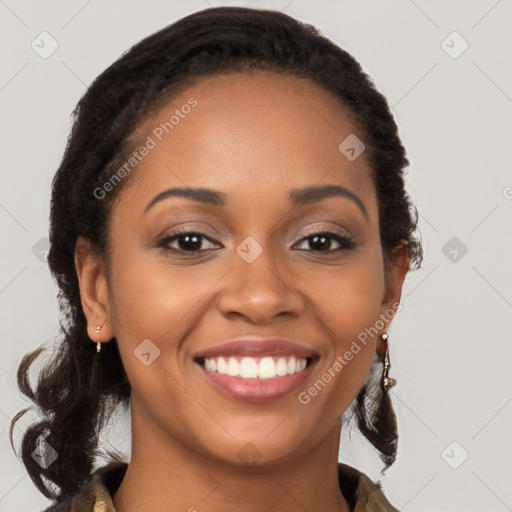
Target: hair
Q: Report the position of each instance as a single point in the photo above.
(77, 390)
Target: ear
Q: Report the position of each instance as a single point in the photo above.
(90, 268)
(394, 275)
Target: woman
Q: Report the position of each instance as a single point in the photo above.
(229, 228)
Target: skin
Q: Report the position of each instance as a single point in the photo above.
(254, 137)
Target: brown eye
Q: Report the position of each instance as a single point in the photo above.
(187, 241)
(323, 242)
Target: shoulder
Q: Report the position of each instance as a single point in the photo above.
(95, 494)
(361, 493)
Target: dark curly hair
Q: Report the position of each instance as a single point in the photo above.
(77, 391)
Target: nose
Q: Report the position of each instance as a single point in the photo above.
(259, 291)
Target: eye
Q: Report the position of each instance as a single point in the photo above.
(322, 241)
(188, 241)
(195, 242)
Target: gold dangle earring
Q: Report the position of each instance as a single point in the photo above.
(98, 345)
(386, 381)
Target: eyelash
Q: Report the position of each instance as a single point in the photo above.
(346, 243)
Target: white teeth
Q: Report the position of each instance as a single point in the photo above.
(233, 367)
(267, 368)
(281, 367)
(221, 365)
(291, 365)
(249, 368)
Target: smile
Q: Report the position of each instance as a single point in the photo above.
(256, 367)
(253, 369)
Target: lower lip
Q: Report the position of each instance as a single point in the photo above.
(257, 390)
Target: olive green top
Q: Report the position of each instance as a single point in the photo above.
(95, 495)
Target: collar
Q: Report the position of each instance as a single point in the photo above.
(95, 495)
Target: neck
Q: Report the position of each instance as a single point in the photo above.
(164, 474)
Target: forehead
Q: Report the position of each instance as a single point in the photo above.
(249, 134)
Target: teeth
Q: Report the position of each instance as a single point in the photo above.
(281, 367)
(221, 365)
(233, 367)
(249, 368)
(267, 368)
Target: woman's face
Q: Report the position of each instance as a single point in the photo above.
(266, 147)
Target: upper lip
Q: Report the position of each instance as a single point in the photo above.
(253, 347)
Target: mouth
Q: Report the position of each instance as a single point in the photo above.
(259, 371)
(255, 367)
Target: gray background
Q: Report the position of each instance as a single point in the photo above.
(451, 349)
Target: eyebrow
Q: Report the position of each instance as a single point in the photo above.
(313, 194)
(298, 197)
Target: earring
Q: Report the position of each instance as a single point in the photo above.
(386, 381)
(98, 345)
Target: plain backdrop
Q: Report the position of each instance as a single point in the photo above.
(445, 68)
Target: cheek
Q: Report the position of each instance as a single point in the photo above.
(151, 296)
(348, 299)
(348, 304)
(152, 300)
